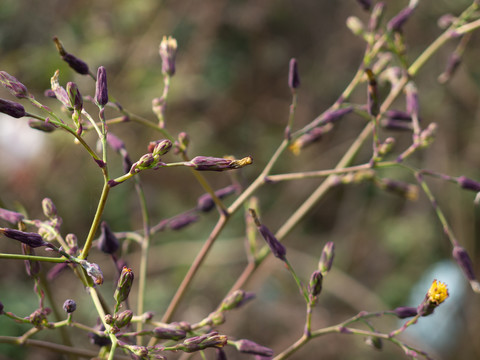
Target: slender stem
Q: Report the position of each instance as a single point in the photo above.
(32, 257)
(96, 221)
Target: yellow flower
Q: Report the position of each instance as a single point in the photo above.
(437, 293)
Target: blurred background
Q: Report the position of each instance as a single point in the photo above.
(230, 95)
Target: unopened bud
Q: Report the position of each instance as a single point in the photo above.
(124, 285)
(11, 108)
(235, 300)
(160, 148)
(76, 100)
(468, 184)
(315, 284)
(72, 241)
(101, 90)
(355, 25)
(403, 312)
(197, 343)
(69, 306)
(205, 202)
(75, 63)
(207, 163)
(310, 137)
(49, 208)
(108, 242)
(397, 22)
(168, 52)
(15, 87)
(326, 259)
(11, 216)
(376, 17)
(293, 76)
(463, 260)
(182, 220)
(250, 347)
(169, 333)
(33, 240)
(41, 125)
(124, 318)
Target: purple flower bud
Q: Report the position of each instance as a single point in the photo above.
(220, 354)
(250, 347)
(159, 148)
(376, 16)
(315, 284)
(392, 124)
(12, 108)
(101, 90)
(405, 312)
(463, 260)
(206, 163)
(147, 161)
(11, 216)
(76, 64)
(99, 340)
(168, 52)
(205, 202)
(107, 242)
(69, 306)
(293, 76)
(15, 87)
(41, 125)
(446, 20)
(31, 239)
(277, 248)
(310, 137)
(411, 99)
(397, 22)
(365, 4)
(114, 142)
(182, 220)
(1, 308)
(124, 285)
(453, 63)
(398, 115)
(76, 100)
(469, 184)
(326, 259)
(333, 115)
(169, 333)
(202, 342)
(124, 318)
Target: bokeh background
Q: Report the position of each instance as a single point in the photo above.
(230, 95)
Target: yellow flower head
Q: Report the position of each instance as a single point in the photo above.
(437, 293)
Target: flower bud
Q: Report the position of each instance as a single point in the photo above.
(124, 318)
(400, 188)
(33, 240)
(101, 90)
(427, 135)
(15, 87)
(293, 76)
(49, 209)
(12, 108)
(326, 259)
(124, 285)
(41, 125)
(365, 4)
(206, 163)
(75, 63)
(202, 342)
(182, 220)
(310, 137)
(250, 347)
(355, 25)
(169, 333)
(376, 17)
(182, 142)
(168, 52)
(107, 242)
(160, 148)
(277, 248)
(463, 260)
(11, 216)
(235, 300)
(72, 241)
(315, 284)
(469, 184)
(397, 22)
(76, 100)
(205, 202)
(403, 312)
(69, 306)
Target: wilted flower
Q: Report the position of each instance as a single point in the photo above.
(69, 306)
(15, 87)
(94, 271)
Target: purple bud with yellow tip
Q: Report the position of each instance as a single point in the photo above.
(124, 285)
